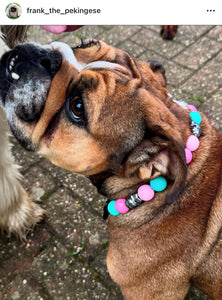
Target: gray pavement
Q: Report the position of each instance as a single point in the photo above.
(64, 257)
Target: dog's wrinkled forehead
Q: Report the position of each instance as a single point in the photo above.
(97, 55)
(91, 54)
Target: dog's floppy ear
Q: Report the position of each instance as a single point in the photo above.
(158, 70)
(161, 152)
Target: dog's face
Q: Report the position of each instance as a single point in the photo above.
(13, 11)
(96, 111)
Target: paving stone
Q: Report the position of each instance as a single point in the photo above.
(22, 157)
(67, 277)
(17, 257)
(189, 34)
(34, 182)
(65, 256)
(152, 55)
(207, 80)
(213, 109)
(152, 41)
(132, 48)
(215, 33)
(116, 34)
(198, 53)
(74, 221)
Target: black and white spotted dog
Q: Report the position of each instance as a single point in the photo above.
(18, 212)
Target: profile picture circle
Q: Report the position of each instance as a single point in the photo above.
(13, 10)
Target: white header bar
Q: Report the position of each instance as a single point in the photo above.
(115, 12)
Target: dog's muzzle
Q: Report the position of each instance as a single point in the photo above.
(23, 71)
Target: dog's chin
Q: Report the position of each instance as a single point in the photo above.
(120, 186)
(24, 141)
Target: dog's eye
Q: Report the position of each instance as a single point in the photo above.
(75, 109)
(86, 43)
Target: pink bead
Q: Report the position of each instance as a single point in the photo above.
(192, 143)
(145, 192)
(121, 206)
(188, 155)
(191, 107)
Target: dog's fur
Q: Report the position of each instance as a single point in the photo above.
(97, 111)
(18, 212)
(12, 34)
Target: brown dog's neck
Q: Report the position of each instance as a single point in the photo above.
(127, 185)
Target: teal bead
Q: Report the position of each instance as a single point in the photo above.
(158, 184)
(196, 117)
(111, 208)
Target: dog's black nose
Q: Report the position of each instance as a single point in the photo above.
(51, 62)
(27, 58)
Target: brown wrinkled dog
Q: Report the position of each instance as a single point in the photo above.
(97, 111)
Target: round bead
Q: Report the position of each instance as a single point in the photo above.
(158, 184)
(196, 117)
(145, 192)
(121, 206)
(188, 155)
(192, 143)
(191, 107)
(111, 208)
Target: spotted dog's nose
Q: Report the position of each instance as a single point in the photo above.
(25, 58)
(25, 76)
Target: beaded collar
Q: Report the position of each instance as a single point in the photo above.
(146, 192)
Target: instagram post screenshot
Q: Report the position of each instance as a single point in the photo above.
(110, 150)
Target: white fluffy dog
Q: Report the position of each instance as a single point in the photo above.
(18, 212)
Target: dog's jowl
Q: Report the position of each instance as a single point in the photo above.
(96, 111)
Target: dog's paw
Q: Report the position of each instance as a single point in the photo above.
(22, 217)
(168, 32)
